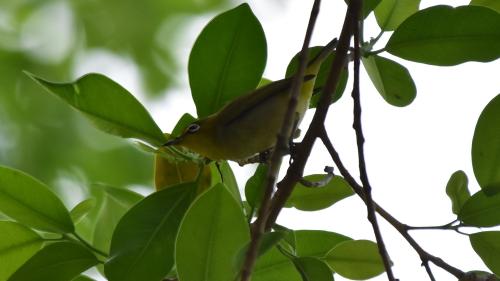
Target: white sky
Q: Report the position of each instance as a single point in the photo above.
(411, 151)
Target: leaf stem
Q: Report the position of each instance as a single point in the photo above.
(88, 245)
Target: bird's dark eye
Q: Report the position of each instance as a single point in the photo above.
(193, 128)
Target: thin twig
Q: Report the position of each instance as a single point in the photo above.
(400, 227)
(429, 270)
(360, 140)
(320, 183)
(259, 226)
(89, 246)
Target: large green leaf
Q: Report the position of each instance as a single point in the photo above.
(391, 13)
(356, 259)
(492, 4)
(222, 173)
(458, 191)
(255, 185)
(82, 209)
(316, 198)
(481, 210)
(313, 269)
(60, 261)
(486, 147)
(461, 34)
(275, 266)
(316, 243)
(17, 244)
(487, 246)
(142, 247)
(392, 80)
(83, 278)
(227, 59)
(108, 105)
(211, 235)
(30, 202)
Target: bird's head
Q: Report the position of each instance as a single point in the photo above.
(197, 137)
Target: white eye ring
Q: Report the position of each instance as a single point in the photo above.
(193, 128)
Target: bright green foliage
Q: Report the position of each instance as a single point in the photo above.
(356, 259)
(254, 188)
(492, 4)
(466, 33)
(317, 198)
(30, 202)
(391, 13)
(275, 266)
(146, 234)
(316, 243)
(458, 191)
(486, 148)
(17, 244)
(109, 106)
(82, 209)
(481, 210)
(487, 246)
(224, 174)
(313, 269)
(60, 261)
(322, 76)
(227, 59)
(210, 237)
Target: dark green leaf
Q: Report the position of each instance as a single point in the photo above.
(466, 33)
(322, 76)
(224, 174)
(82, 209)
(30, 202)
(487, 246)
(391, 13)
(60, 261)
(477, 275)
(83, 278)
(481, 210)
(142, 247)
(275, 266)
(313, 269)
(392, 80)
(316, 243)
(492, 4)
(316, 198)
(227, 59)
(486, 148)
(458, 191)
(368, 6)
(268, 241)
(356, 259)
(17, 244)
(211, 235)
(108, 105)
(254, 188)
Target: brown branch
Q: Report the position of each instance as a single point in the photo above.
(400, 227)
(281, 147)
(360, 140)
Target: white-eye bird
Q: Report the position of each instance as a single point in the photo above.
(250, 123)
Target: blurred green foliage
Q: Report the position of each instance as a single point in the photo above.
(38, 133)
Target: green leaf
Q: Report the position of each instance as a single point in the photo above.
(368, 6)
(17, 244)
(492, 4)
(82, 209)
(274, 266)
(254, 188)
(392, 80)
(109, 106)
(227, 59)
(461, 34)
(30, 202)
(313, 269)
(316, 243)
(356, 259)
(182, 124)
(224, 174)
(268, 241)
(322, 76)
(487, 245)
(486, 147)
(142, 247)
(83, 278)
(115, 203)
(477, 275)
(481, 210)
(391, 13)
(317, 198)
(211, 235)
(60, 261)
(458, 191)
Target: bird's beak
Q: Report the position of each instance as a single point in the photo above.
(173, 141)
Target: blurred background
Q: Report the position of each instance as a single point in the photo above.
(144, 46)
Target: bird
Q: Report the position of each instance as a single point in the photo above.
(249, 124)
